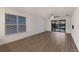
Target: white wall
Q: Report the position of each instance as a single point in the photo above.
(34, 25)
(68, 23)
(48, 24)
(75, 22)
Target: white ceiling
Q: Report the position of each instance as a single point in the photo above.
(46, 11)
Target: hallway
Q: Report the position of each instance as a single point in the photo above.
(43, 42)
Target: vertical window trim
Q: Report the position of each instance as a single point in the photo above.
(17, 24)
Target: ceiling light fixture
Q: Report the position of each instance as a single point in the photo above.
(52, 17)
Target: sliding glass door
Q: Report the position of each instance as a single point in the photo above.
(58, 25)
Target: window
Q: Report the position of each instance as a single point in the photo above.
(21, 24)
(14, 24)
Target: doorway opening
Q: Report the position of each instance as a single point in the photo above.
(58, 25)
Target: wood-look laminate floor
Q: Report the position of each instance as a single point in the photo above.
(43, 42)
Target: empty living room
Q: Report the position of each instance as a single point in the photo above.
(39, 29)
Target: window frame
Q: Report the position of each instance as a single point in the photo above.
(17, 24)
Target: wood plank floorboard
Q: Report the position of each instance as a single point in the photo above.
(43, 42)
